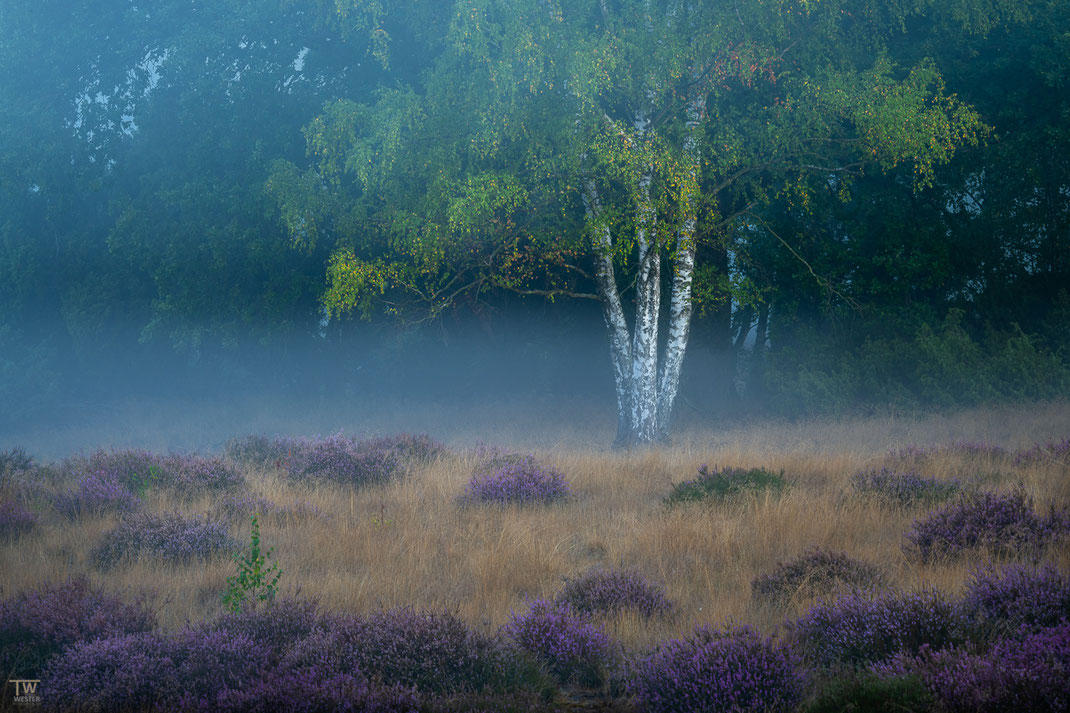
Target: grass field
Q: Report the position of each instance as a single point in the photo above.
(409, 542)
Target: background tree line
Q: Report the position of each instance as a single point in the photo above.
(172, 201)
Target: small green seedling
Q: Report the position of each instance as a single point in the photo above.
(255, 581)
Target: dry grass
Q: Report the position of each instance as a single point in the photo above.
(410, 543)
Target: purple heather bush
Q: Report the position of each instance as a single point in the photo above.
(1057, 452)
(608, 591)
(1023, 673)
(858, 629)
(210, 662)
(39, 623)
(277, 625)
(140, 470)
(169, 537)
(433, 652)
(522, 481)
(904, 488)
(571, 647)
(15, 519)
(1018, 597)
(1001, 522)
(97, 492)
(314, 691)
(123, 672)
(816, 572)
(731, 669)
(341, 459)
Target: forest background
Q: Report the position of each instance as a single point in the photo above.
(150, 153)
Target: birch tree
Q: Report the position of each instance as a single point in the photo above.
(585, 149)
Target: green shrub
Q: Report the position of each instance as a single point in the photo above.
(866, 693)
(724, 483)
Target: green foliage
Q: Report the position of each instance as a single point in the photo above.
(719, 485)
(141, 483)
(868, 693)
(255, 581)
(939, 367)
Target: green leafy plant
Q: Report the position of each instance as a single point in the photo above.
(256, 580)
(141, 484)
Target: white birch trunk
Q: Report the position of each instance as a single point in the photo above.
(680, 306)
(644, 378)
(612, 310)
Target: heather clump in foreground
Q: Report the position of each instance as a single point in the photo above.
(858, 629)
(434, 653)
(602, 591)
(523, 480)
(1001, 522)
(730, 669)
(908, 488)
(721, 484)
(96, 493)
(277, 625)
(1021, 673)
(1018, 598)
(169, 537)
(816, 572)
(15, 519)
(39, 623)
(571, 647)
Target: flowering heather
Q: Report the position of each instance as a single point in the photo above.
(566, 642)
(1025, 673)
(97, 492)
(341, 459)
(432, 652)
(140, 470)
(242, 505)
(128, 466)
(1003, 522)
(724, 483)
(857, 629)
(124, 672)
(523, 481)
(1018, 597)
(277, 626)
(39, 623)
(314, 691)
(170, 537)
(606, 591)
(731, 669)
(15, 519)
(1049, 452)
(816, 572)
(909, 488)
(192, 472)
(209, 662)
